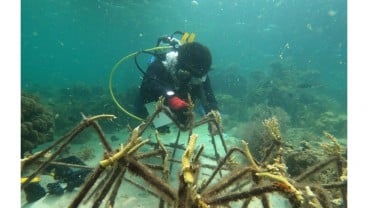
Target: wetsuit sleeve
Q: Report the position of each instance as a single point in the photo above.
(156, 82)
(210, 102)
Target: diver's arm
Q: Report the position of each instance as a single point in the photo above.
(211, 103)
(156, 82)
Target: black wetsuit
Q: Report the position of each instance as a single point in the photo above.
(158, 81)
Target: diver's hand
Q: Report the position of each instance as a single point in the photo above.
(212, 128)
(176, 103)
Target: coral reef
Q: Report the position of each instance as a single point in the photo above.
(299, 94)
(243, 182)
(68, 103)
(37, 123)
(298, 161)
(280, 113)
(256, 133)
(332, 122)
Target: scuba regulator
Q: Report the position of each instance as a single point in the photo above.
(169, 41)
(164, 44)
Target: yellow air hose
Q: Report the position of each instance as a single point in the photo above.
(116, 66)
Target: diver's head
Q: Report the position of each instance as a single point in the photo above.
(195, 59)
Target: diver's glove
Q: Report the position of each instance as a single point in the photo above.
(176, 103)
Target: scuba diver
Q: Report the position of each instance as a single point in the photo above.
(175, 75)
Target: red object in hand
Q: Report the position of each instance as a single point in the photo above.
(176, 103)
